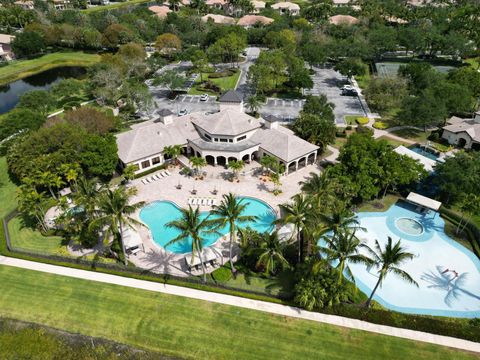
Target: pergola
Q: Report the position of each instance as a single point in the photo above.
(423, 201)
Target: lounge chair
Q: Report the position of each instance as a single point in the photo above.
(214, 202)
(157, 177)
(144, 182)
(204, 202)
(210, 202)
(148, 180)
(195, 201)
(167, 172)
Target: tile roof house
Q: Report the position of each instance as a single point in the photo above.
(217, 4)
(219, 19)
(286, 7)
(252, 20)
(25, 4)
(343, 19)
(219, 137)
(464, 133)
(258, 6)
(6, 53)
(160, 11)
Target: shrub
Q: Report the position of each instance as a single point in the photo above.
(361, 120)
(434, 136)
(380, 125)
(349, 127)
(221, 74)
(364, 130)
(222, 274)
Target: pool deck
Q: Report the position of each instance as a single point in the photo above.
(155, 258)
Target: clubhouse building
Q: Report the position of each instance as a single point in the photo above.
(229, 134)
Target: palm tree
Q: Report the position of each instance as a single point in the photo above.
(86, 195)
(236, 166)
(114, 211)
(172, 152)
(253, 104)
(175, 4)
(229, 213)
(199, 5)
(271, 253)
(191, 226)
(340, 218)
(296, 213)
(197, 163)
(389, 260)
(344, 247)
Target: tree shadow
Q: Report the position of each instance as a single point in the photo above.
(452, 283)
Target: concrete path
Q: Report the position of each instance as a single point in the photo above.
(243, 303)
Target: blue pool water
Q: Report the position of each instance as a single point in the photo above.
(159, 213)
(447, 273)
(421, 151)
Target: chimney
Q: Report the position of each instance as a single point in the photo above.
(476, 118)
(165, 116)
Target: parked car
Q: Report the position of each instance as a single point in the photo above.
(203, 97)
(349, 90)
(182, 112)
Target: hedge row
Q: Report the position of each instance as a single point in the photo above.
(459, 328)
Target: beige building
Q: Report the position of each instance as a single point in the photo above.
(248, 21)
(25, 4)
(6, 53)
(464, 133)
(229, 134)
(160, 11)
(258, 6)
(343, 20)
(219, 19)
(287, 8)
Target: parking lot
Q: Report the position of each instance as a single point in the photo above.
(285, 109)
(190, 103)
(329, 82)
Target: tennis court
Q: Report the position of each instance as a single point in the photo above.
(385, 69)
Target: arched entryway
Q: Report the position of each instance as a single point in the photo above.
(311, 159)
(302, 162)
(210, 159)
(246, 158)
(461, 143)
(232, 158)
(221, 160)
(292, 167)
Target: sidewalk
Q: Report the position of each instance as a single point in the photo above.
(244, 303)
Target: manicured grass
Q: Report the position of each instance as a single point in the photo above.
(190, 328)
(420, 137)
(393, 142)
(339, 142)
(352, 120)
(474, 63)
(116, 5)
(225, 83)
(379, 205)
(8, 190)
(26, 238)
(23, 68)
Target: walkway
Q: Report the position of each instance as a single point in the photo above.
(243, 303)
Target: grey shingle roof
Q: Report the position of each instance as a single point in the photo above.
(164, 112)
(227, 122)
(231, 96)
(469, 126)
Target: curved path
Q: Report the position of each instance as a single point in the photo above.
(244, 303)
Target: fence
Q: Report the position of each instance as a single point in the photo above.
(122, 270)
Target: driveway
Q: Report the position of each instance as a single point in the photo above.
(328, 81)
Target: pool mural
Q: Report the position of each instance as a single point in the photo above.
(447, 273)
(158, 213)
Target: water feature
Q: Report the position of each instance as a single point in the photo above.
(425, 151)
(10, 93)
(159, 213)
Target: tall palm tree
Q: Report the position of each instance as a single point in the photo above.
(115, 212)
(253, 104)
(236, 166)
(340, 218)
(271, 253)
(173, 152)
(344, 247)
(191, 226)
(197, 163)
(86, 194)
(229, 213)
(296, 213)
(388, 260)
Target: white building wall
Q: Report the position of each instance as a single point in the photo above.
(454, 138)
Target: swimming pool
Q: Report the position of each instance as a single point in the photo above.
(159, 213)
(447, 273)
(424, 151)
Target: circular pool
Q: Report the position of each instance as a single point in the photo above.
(409, 226)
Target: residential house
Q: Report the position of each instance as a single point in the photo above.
(287, 8)
(217, 4)
(248, 21)
(464, 133)
(343, 20)
(219, 19)
(25, 4)
(6, 53)
(160, 11)
(257, 6)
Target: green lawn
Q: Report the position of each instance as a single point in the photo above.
(474, 63)
(190, 328)
(115, 6)
(7, 190)
(420, 137)
(225, 83)
(279, 286)
(393, 142)
(22, 68)
(379, 205)
(26, 238)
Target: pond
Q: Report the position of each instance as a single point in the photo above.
(10, 93)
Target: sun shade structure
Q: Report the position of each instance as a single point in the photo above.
(424, 201)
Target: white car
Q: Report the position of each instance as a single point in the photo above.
(203, 97)
(182, 112)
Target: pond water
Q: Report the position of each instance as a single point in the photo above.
(10, 93)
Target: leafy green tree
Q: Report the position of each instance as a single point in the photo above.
(271, 257)
(99, 155)
(200, 62)
(192, 227)
(466, 77)
(33, 204)
(315, 129)
(423, 110)
(229, 213)
(171, 79)
(420, 76)
(386, 93)
(388, 260)
(28, 43)
(94, 121)
(318, 10)
(314, 53)
(344, 247)
(236, 166)
(117, 34)
(299, 76)
(382, 39)
(67, 88)
(351, 67)
(19, 119)
(319, 105)
(253, 104)
(457, 98)
(38, 101)
(115, 212)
